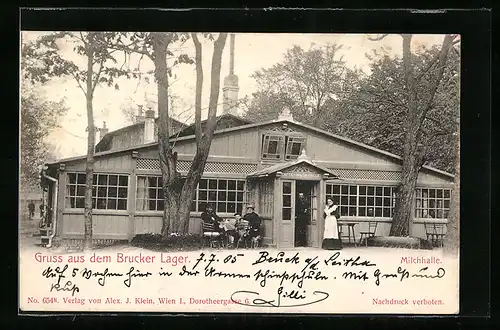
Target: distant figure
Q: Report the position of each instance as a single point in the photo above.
(31, 209)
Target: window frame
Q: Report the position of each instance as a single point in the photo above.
(217, 190)
(196, 200)
(148, 200)
(280, 138)
(419, 197)
(357, 195)
(95, 191)
(289, 142)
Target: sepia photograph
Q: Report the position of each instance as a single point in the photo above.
(239, 172)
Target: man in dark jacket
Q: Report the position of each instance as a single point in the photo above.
(302, 220)
(254, 221)
(209, 216)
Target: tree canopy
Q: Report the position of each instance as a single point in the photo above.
(321, 91)
(308, 82)
(375, 107)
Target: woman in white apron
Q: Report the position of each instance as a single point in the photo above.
(331, 239)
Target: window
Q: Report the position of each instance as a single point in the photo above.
(286, 209)
(225, 195)
(150, 193)
(363, 201)
(294, 146)
(271, 146)
(109, 191)
(432, 203)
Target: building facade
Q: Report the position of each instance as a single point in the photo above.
(267, 164)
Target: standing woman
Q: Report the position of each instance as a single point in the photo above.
(331, 239)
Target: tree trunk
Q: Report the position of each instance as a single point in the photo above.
(89, 170)
(412, 162)
(452, 238)
(179, 194)
(203, 139)
(172, 184)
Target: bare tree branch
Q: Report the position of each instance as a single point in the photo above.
(443, 54)
(378, 38)
(98, 75)
(79, 83)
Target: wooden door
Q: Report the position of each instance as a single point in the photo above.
(313, 226)
(287, 219)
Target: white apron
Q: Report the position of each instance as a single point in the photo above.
(331, 229)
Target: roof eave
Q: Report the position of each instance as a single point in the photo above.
(251, 125)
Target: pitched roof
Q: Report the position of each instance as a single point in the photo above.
(274, 121)
(282, 166)
(236, 121)
(107, 138)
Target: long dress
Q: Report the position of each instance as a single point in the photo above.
(331, 239)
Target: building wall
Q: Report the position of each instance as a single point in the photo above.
(107, 224)
(241, 148)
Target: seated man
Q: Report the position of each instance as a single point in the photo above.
(254, 222)
(209, 216)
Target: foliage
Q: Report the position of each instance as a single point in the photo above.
(375, 109)
(98, 67)
(180, 242)
(369, 108)
(308, 82)
(47, 55)
(39, 117)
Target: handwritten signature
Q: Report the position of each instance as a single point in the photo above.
(253, 299)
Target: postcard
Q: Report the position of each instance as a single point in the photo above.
(239, 172)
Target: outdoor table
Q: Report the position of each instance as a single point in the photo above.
(350, 231)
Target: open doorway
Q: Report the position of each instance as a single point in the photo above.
(303, 195)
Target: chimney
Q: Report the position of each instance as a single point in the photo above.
(140, 116)
(149, 126)
(230, 89)
(103, 131)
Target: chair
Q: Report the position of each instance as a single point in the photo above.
(211, 238)
(372, 229)
(435, 233)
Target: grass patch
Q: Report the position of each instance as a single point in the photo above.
(156, 242)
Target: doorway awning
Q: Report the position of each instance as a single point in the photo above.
(302, 164)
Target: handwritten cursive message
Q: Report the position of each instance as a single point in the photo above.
(279, 279)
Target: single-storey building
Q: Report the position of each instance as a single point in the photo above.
(264, 163)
